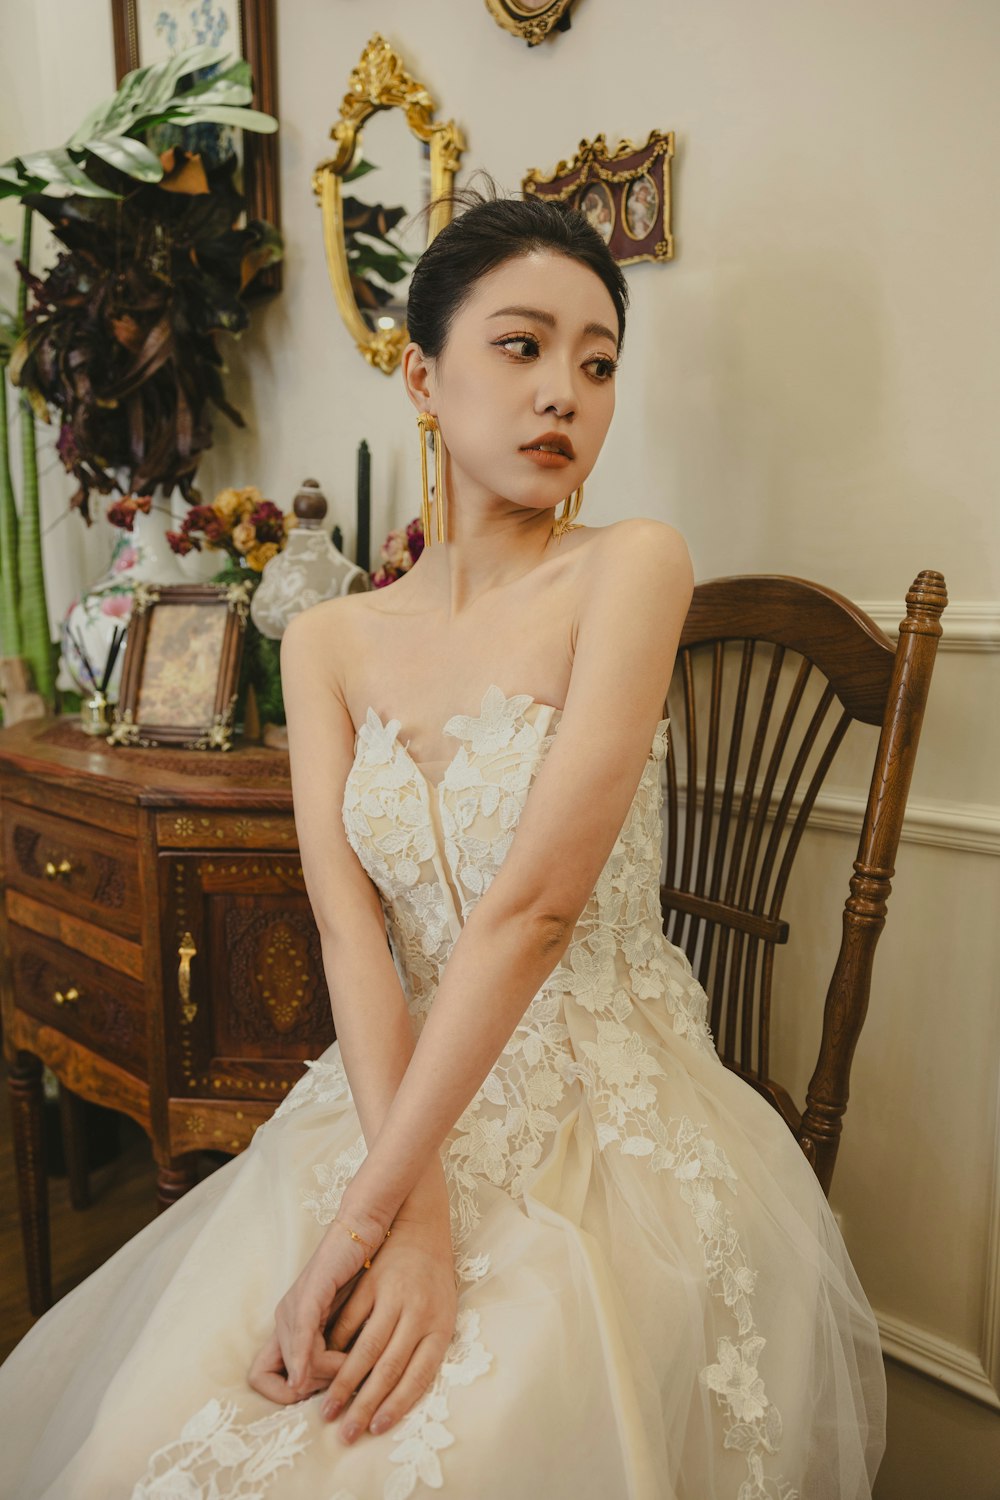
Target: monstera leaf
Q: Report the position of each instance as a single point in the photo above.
(163, 93)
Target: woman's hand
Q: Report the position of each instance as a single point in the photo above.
(395, 1328)
(295, 1362)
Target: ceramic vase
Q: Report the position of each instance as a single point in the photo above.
(140, 555)
(309, 569)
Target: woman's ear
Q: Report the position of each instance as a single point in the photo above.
(418, 376)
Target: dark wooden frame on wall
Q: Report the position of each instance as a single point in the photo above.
(127, 728)
(260, 152)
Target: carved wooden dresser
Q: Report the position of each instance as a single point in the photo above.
(159, 952)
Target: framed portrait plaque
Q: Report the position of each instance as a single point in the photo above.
(531, 20)
(625, 194)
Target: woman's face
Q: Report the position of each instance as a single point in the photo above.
(524, 388)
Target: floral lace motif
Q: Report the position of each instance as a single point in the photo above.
(617, 962)
(422, 1434)
(324, 1082)
(217, 1455)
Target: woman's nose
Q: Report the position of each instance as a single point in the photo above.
(556, 396)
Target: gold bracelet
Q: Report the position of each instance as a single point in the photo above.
(368, 1248)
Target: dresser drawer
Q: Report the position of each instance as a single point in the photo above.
(84, 1000)
(73, 866)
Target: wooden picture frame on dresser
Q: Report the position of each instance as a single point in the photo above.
(158, 948)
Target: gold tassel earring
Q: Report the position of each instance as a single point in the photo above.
(571, 509)
(426, 423)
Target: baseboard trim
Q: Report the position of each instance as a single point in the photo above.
(962, 1369)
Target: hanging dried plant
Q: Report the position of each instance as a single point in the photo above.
(120, 336)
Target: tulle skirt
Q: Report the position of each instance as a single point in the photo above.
(682, 1323)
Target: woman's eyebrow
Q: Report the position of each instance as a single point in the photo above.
(592, 330)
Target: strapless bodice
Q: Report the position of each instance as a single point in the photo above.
(433, 850)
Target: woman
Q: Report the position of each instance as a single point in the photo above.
(517, 1231)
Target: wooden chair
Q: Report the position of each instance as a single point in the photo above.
(724, 877)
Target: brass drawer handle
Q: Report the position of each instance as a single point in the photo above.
(186, 952)
(69, 997)
(53, 870)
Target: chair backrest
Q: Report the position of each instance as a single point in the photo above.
(733, 826)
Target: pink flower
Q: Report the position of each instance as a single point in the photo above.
(117, 604)
(126, 559)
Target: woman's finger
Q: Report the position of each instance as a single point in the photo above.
(351, 1316)
(394, 1385)
(267, 1374)
(367, 1347)
(299, 1331)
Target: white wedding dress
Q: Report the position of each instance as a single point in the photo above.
(655, 1302)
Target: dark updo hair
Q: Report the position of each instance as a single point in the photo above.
(491, 230)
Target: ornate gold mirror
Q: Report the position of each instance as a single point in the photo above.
(371, 193)
(530, 19)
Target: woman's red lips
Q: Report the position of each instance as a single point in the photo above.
(545, 458)
(549, 441)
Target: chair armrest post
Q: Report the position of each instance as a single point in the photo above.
(865, 908)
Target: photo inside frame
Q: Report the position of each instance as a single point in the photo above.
(166, 27)
(180, 671)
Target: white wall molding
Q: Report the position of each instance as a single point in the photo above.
(973, 1372)
(972, 827)
(991, 1296)
(963, 1369)
(967, 624)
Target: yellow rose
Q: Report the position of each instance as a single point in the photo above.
(227, 505)
(244, 537)
(261, 554)
(291, 520)
(250, 498)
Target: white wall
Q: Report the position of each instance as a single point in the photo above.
(809, 388)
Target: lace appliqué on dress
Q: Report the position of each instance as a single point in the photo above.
(422, 1435)
(324, 1082)
(680, 1146)
(217, 1455)
(617, 961)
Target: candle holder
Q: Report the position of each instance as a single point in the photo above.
(94, 714)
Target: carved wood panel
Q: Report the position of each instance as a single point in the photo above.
(246, 999)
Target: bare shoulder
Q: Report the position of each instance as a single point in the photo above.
(644, 550)
(319, 640)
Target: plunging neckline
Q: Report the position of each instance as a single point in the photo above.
(417, 766)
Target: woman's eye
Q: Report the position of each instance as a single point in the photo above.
(525, 347)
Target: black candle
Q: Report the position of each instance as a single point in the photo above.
(364, 545)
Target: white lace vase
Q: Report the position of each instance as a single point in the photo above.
(140, 555)
(308, 570)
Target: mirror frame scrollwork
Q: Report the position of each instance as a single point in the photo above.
(379, 81)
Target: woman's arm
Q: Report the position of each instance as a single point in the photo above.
(369, 1009)
(627, 637)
